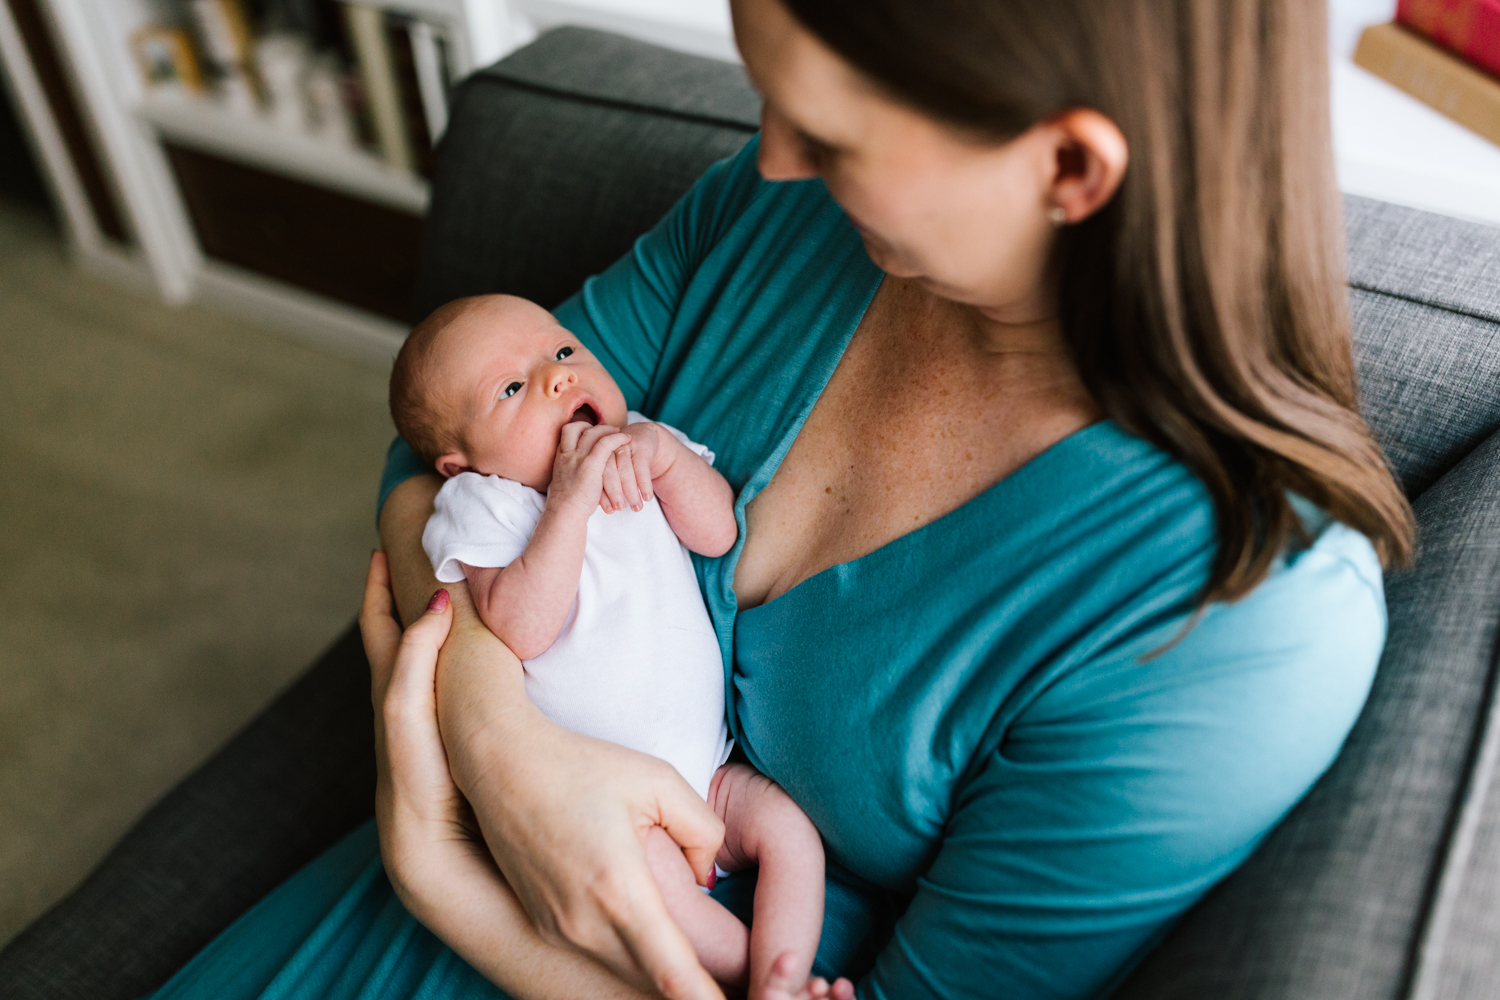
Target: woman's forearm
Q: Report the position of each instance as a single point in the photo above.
(480, 683)
(444, 877)
(402, 521)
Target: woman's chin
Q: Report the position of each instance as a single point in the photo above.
(888, 260)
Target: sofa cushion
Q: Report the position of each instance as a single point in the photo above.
(570, 149)
(1425, 293)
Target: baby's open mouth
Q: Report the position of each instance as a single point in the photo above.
(586, 413)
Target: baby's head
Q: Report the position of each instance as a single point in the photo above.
(485, 384)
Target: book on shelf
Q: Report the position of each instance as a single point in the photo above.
(1470, 28)
(347, 73)
(1433, 76)
(402, 68)
(224, 32)
(403, 43)
(372, 52)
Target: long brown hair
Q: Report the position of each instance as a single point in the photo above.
(1205, 305)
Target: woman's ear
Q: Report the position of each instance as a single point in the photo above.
(1091, 157)
(452, 464)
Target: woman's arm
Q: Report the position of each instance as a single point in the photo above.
(569, 845)
(442, 875)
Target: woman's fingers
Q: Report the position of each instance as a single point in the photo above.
(378, 626)
(417, 654)
(695, 826)
(659, 947)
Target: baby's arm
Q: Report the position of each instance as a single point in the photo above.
(697, 501)
(764, 827)
(526, 603)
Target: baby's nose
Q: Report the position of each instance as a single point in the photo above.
(559, 378)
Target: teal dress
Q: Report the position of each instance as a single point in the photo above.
(1017, 797)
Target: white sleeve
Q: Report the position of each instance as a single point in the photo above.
(693, 446)
(479, 520)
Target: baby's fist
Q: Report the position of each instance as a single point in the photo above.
(578, 473)
(638, 465)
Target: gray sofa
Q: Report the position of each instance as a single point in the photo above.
(1384, 882)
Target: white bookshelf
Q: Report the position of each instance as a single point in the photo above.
(201, 124)
(130, 124)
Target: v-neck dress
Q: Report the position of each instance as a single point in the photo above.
(1025, 756)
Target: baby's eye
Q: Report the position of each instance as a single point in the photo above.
(510, 390)
(564, 352)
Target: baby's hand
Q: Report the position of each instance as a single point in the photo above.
(583, 454)
(633, 466)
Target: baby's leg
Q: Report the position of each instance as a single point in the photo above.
(762, 825)
(721, 941)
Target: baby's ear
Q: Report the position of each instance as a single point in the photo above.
(452, 464)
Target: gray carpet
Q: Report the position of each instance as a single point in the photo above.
(186, 511)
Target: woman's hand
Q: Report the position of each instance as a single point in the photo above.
(436, 862)
(565, 816)
(416, 802)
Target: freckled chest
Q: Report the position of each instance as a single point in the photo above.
(914, 423)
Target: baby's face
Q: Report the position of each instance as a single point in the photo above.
(517, 378)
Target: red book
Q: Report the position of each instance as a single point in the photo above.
(1470, 28)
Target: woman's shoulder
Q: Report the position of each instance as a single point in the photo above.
(1298, 652)
(1122, 481)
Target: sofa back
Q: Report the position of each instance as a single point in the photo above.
(1385, 880)
(566, 151)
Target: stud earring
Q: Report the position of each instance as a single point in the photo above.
(1058, 216)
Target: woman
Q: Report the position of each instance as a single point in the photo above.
(1058, 579)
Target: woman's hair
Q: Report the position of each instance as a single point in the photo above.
(1205, 305)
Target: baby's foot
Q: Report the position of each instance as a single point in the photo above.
(785, 984)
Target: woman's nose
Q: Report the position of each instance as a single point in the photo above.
(782, 155)
(557, 378)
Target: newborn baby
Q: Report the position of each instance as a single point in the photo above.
(571, 520)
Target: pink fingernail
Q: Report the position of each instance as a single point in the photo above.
(713, 878)
(439, 602)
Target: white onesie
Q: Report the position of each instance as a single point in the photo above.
(637, 661)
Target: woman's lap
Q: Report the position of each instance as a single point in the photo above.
(336, 931)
